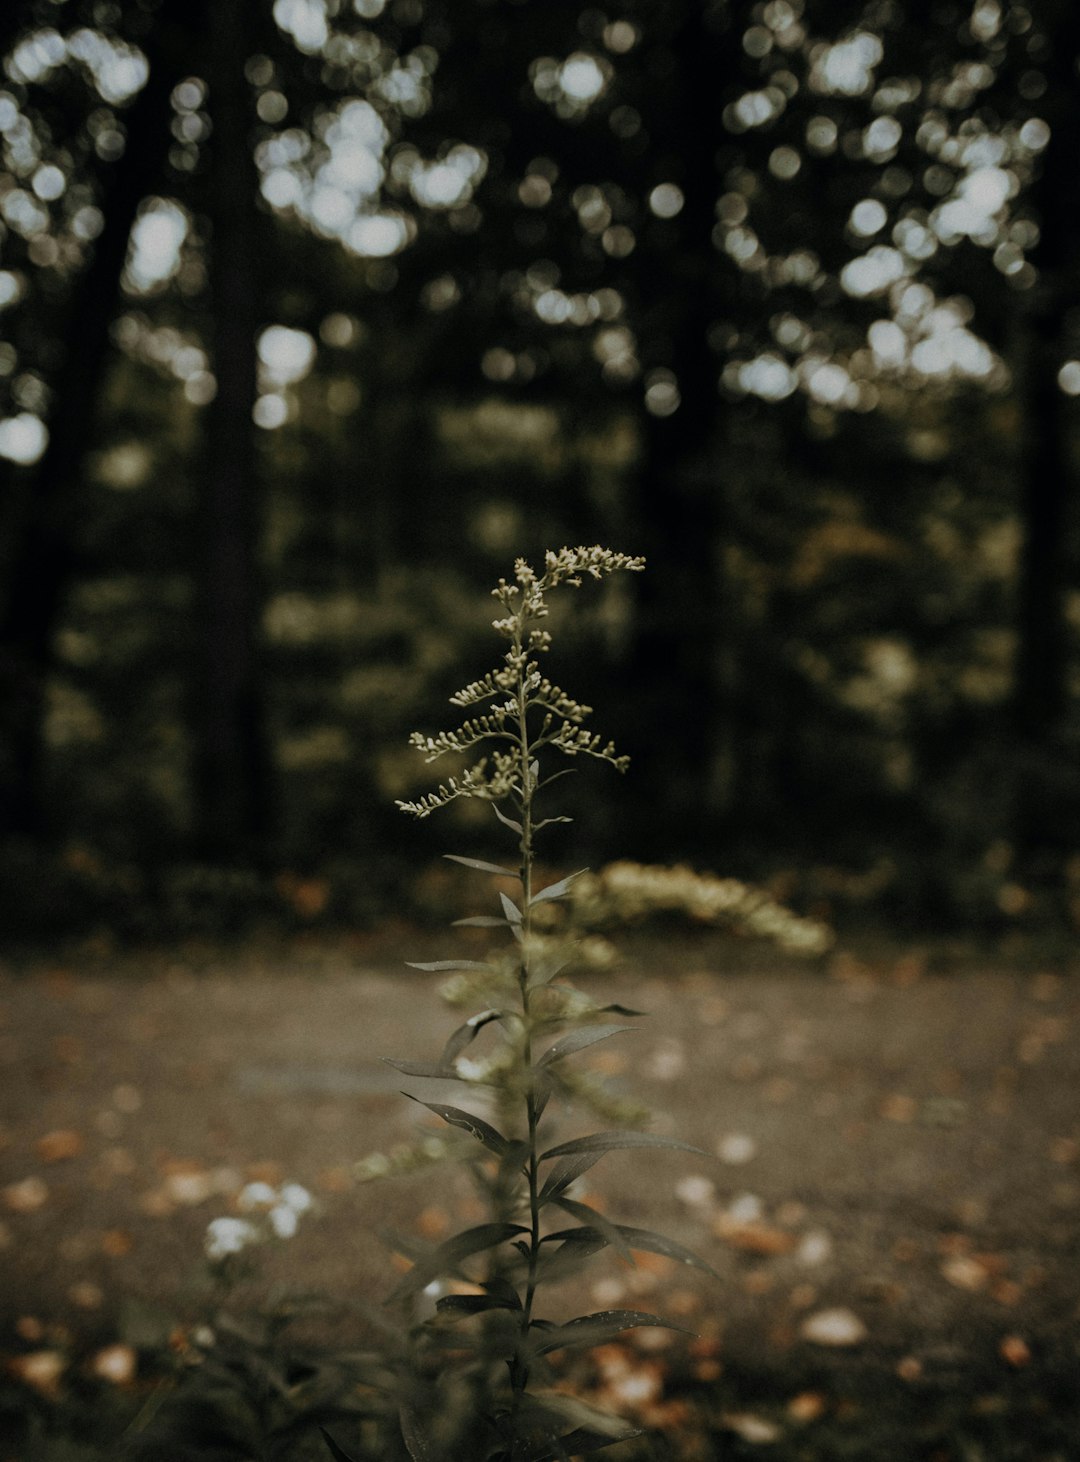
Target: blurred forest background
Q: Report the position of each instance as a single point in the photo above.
(315, 313)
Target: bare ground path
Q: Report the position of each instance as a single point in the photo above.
(893, 1153)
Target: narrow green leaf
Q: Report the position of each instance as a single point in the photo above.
(506, 821)
(557, 890)
(547, 822)
(578, 1040)
(620, 1010)
(574, 1444)
(479, 921)
(338, 1453)
(595, 1329)
(476, 1126)
(565, 1172)
(611, 1141)
(566, 772)
(481, 866)
(473, 1304)
(434, 965)
(543, 1087)
(502, 1289)
(449, 1256)
(510, 909)
(429, 1070)
(636, 1238)
(593, 1219)
(413, 1435)
(539, 1409)
(465, 1034)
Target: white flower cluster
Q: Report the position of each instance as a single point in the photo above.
(625, 891)
(275, 1213)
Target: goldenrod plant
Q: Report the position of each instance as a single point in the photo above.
(480, 1378)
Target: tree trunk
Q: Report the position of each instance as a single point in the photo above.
(231, 764)
(1047, 475)
(43, 559)
(679, 666)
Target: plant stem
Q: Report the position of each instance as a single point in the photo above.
(521, 1370)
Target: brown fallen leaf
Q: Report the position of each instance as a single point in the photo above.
(41, 1370)
(87, 1295)
(837, 1327)
(59, 1146)
(189, 1186)
(807, 1406)
(899, 1108)
(757, 1430)
(1015, 1351)
(116, 1363)
(754, 1238)
(116, 1243)
(26, 1196)
(971, 1271)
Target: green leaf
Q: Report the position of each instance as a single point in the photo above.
(593, 1219)
(547, 822)
(413, 1435)
(481, 866)
(634, 1238)
(575, 1444)
(620, 1010)
(479, 921)
(611, 1141)
(566, 772)
(450, 1255)
(507, 821)
(427, 1069)
(545, 1416)
(476, 1126)
(502, 1289)
(595, 1329)
(338, 1453)
(557, 890)
(465, 1034)
(565, 1172)
(450, 964)
(473, 1304)
(578, 1040)
(510, 909)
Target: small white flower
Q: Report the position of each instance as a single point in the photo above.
(256, 1195)
(296, 1197)
(225, 1236)
(283, 1220)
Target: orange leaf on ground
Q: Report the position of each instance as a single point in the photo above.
(116, 1242)
(838, 1327)
(754, 1238)
(59, 1146)
(116, 1363)
(1015, 1351)
(899, 1108)
(26, 1196)
(41, 1370)
(806, 1407)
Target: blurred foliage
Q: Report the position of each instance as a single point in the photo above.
(783, 296)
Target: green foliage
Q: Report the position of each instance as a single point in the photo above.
(490, 1321)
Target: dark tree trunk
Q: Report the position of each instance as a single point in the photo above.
(680, 663)
(1047, 481)
(42, 560)
(230, 761)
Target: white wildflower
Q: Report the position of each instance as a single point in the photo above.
(225, 1236)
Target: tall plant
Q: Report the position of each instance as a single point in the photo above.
(493, 1401)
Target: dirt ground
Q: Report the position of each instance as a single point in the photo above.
(892, 1179)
